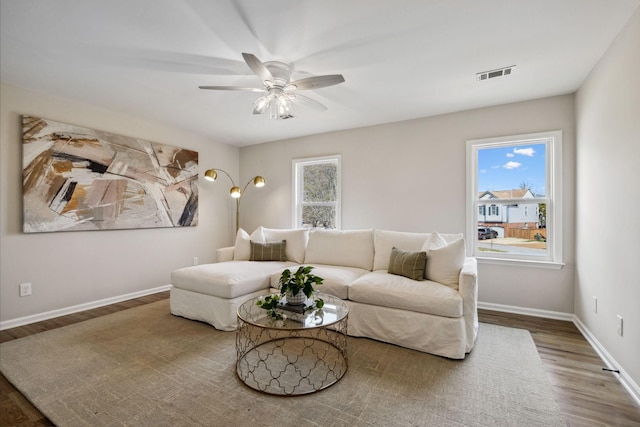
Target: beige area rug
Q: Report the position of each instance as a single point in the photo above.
(145, 367)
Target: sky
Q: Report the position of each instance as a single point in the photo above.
(505, 168)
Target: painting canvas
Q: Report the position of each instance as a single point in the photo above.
(76, 178)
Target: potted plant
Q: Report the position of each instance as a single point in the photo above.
(298, 286)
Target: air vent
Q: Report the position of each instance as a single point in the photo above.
(492, 74)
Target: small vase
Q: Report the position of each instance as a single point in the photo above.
(298, 299)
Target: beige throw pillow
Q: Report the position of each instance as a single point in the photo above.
(242, 249)
(296, 241)
(444, 263)
(270, 251)
(407, 264)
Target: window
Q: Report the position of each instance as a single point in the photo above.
(509, 179)
(316, 192)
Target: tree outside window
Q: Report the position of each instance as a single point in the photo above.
(317, 193)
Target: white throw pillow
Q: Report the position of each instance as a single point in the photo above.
(348, 248)
(434, 241)
(242, 249)
(444, 263)
(384, 240)
(296, 241)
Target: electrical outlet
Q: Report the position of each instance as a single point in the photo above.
(595, 304)
(195, 260)
(619, 329)
(25, 289)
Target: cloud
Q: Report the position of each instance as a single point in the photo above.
(510, 155)
(525, 151)
(496, 167)
(483, 171)
(512, 165)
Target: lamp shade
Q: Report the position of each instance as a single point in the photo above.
(210, 175)
(258, 181)
(235, 192)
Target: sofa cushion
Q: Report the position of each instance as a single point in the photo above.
(227, 279)
(385, 240)
(407, 264)
(348, 248)
(296, 241)
(387, 290)
(242, 249)
(269, 251)
(444, 263)
(336, 280)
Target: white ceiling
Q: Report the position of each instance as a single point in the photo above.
(401, 59)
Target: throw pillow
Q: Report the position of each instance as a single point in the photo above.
(434, 241)
(444, 264)
(407, 264)
(269, 251)
(384, 240)
(296, 241)
(242, 249)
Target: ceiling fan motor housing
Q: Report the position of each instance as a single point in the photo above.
(280, 71)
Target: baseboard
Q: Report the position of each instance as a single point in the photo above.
(21, 321)
(627, 382)
(547, 314)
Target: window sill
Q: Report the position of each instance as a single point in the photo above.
(521, 263)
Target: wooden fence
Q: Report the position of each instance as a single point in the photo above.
(526, 233)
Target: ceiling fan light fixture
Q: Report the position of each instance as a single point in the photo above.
(261, 105)
(278, 89)
(284, 105)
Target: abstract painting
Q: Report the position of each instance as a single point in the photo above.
(75, 178)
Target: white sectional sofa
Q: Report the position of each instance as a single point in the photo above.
(436, 315)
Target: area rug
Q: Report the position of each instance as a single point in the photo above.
(145, 367)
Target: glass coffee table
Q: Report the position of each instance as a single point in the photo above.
(302, 354)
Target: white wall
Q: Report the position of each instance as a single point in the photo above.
(608, 179)
(71, 268)
(410, 176)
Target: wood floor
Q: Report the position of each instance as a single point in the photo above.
(587, 395)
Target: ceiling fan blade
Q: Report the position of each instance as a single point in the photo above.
(307, 102)
(248, 89)
(257, 66)
(317, 82)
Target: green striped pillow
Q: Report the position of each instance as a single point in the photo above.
(270, 251)
(407, 264)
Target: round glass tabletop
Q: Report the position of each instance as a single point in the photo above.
(333, 311)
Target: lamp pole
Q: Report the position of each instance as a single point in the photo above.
(236, 193)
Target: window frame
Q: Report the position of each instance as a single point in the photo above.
(297, 187)
(553, 257)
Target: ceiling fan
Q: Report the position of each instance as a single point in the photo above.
(279, 91)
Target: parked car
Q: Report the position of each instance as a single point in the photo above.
(486, 233)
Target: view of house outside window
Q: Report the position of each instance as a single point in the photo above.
(317, 193)
(513, 185)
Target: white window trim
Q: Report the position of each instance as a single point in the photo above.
(554, 194)
(296, 188)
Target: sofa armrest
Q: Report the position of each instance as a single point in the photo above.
(468, 288)
(224, 254)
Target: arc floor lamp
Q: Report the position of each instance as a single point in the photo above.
(236, 193)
